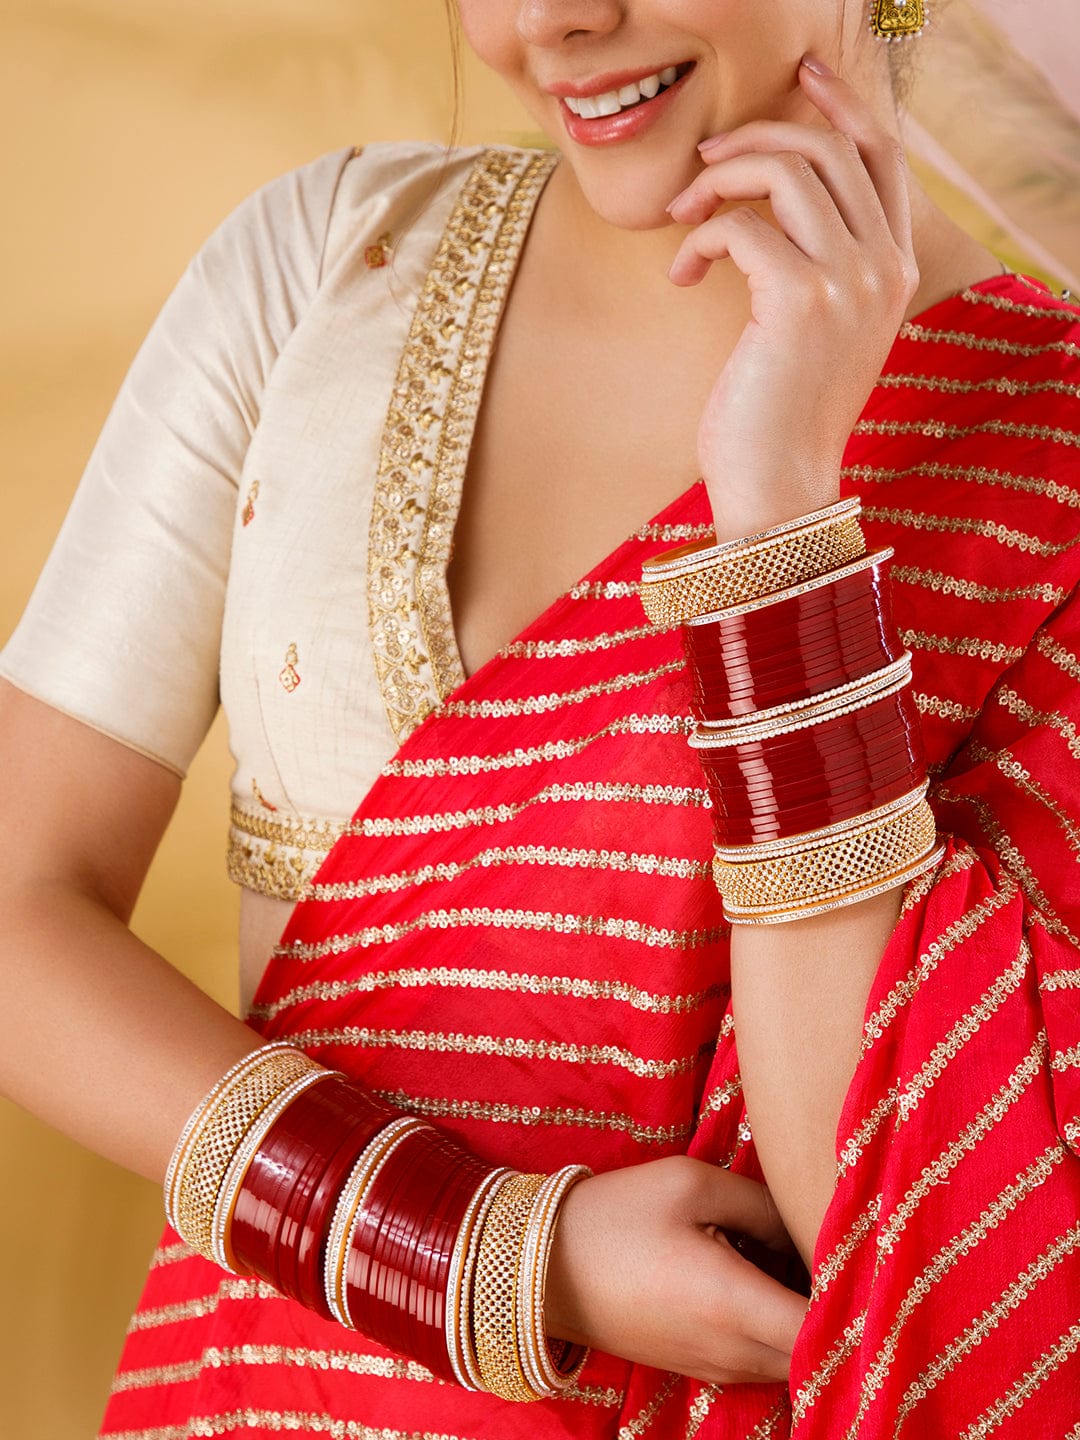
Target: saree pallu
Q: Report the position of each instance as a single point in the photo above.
(519, 938)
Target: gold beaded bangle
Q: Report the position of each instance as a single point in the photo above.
(827, 875)
(241, 1164)
(547, 1373)
(199, 1115)
(830, 577)
(349, 1210)
(459, 1342)
(495, 1289)
(697, 579)
(887, 882)
(212, 1145)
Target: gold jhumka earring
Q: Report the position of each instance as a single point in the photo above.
(897, 19)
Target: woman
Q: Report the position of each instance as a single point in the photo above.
(395, 350)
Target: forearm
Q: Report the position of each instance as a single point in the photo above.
(799, 995)
(99, 1036)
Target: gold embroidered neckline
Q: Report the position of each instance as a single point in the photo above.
(429, 430)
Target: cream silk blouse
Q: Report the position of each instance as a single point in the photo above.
(266, 518)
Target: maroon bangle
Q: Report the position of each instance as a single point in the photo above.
(295, 1154)
(797, 647)
(810, 778)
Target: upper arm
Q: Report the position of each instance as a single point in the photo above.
(79, 808)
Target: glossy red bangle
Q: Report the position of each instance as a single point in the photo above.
(805, 644)
(809, 778)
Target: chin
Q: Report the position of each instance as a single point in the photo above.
(632, 197)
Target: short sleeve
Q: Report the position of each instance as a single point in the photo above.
(123, 629)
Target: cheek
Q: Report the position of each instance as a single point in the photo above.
(489, 27)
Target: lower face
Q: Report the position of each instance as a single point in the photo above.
(627, 88)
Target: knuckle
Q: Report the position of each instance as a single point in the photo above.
(795, 164)
(895, 153)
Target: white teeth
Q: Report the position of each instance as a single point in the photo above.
(591, 107)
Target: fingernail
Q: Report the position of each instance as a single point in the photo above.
(817, 66)
(713, 140)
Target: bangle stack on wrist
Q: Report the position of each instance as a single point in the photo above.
(293, 1173)
(807, 731)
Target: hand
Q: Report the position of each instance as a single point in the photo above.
(640, 1268)
(829, 286)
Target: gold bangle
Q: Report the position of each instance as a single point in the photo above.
(199, 1115)
(838, 872)
(814, 839)
(811, 710)
(888, 882)
(214, 1141)
(495, 1289)
(550, 1367)
(459, 1286)
(698, 579)
(830, 577)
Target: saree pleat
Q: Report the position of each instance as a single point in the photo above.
(518, 937)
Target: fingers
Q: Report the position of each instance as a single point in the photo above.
(733, 1202)
(882, 154)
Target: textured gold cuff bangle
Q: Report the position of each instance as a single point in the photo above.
(829, 874)
(546, 1372)
(459, 1287)
(214, 1141)
(200, 1114)
(495, 1289)
(698, 579)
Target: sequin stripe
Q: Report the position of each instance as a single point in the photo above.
(502, 1112)
(503, 1047)
(700, 1408)
(1000, 384)
(767, 1429)
(959, 1247)
(1053, 310)
(588, 645)
(1074, 1433)
(963, 525)
(992, 1419)
(347, 1362)
(544, 922)
(978, 474)
(942, 708)
(1060, 980)
(291, 1422)
(939, 430)
(1015, 704)
(937, 580)
(808, 1395)
(832, 1267)
(992, 1113)
(604, 590)
(911, 331)
(915, 893)
(616, 861)
(543, 704)
(538, 754)
(1064, 659)
(970, 1339)
(572, 791)
(1006, 763)
(970, 645)
(199, 1306)
(721, 1097)
(643, 1421)
(903, 992)
(1063, 1060)
(649, 1002)
(172, 1255)
(965, 1029)
(675, 534)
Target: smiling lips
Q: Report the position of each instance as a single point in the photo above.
(625, 108)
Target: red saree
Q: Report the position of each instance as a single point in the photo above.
(518, 937)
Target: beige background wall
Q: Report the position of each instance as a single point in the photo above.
(130, 128)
